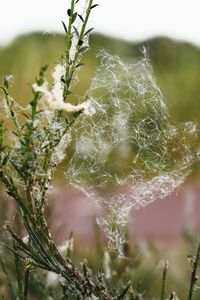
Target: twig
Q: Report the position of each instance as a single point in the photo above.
(26, 281)
(164, 277)
(194, 276)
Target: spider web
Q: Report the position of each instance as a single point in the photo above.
(128, 153)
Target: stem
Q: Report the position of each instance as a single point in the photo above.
(71, 66)
(9, 102)
(8, 280)
(26, 282)
(18, 272)
(86, 19)
(164, 277)
(65, 296)
(70, 28)
(194, 274)
(68, 46)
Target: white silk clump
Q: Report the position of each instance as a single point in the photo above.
(53, 100)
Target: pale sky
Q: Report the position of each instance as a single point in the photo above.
(129, 19)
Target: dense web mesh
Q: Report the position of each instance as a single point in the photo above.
(128, 153)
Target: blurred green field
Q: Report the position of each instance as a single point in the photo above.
(176, 66)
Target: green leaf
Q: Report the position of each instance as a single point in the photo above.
(74, 17)
(88, 31)
(43, 69)
(39, 112)
(27, 116)
(79, 65)
(76, 31)
(15, 133)
(69, 12)
(83, 49)
(40, 78)
(125, 291)
(65, 27)
(93, 6)
(68, 93)
(81, 18)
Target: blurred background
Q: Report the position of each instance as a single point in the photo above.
(31, 36)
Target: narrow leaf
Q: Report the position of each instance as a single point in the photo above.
(93, 6)
(83, 49)
(27, 116)
(26, 282)
(79, 65)
(18, 267)
(74, 17)
(81, 18)
(65, 27)
(69, 12)
(76, 31)
(125, 291)
(88, 31)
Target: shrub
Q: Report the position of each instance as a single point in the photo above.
(125, 153)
